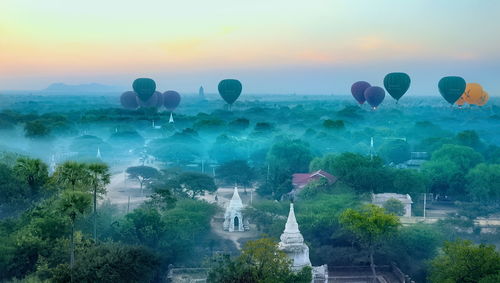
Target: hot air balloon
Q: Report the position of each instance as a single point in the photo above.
(358, 91)
(461, 101)
(230, 90)
(484, 99)
(144, 88)
(374, 95)
(397, 84)
(151, 102)
(159, 101)
(171, 99)
(128, 100)
(473, 93)
(451, 88)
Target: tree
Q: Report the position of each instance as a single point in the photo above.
(285, 158)
(334, 124)
(362, 173)
(462, 261)
(370, 225)
(469, 138)
(192, 184)
(444, 177)
(395, 151)
(408, 181)
(394, 206)
(142, 174)
(99, 178)
(483, 183)
(236, 172)
(32, 171)
(71, 174)
(412, 247)
(12, 191)
(72, 204)
(111, 262)
(260, 261)
(462, 156)
(36, 129)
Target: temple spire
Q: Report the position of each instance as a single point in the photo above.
(291, 223)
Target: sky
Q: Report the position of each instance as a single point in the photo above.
(271, 46)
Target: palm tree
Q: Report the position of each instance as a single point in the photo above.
(71, 173)
(33, 171)
(73, 203)
(99, 178)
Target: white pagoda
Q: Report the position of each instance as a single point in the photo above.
(233, 217)
(292, 243)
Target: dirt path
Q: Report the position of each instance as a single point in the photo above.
(124, 193)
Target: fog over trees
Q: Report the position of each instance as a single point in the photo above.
(93, 192)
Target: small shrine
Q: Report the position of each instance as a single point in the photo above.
(233, 217)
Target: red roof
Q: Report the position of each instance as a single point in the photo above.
(300, 180)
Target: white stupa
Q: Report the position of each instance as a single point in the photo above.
(53, 165)
(98, 155)
(233, 217)
(292, 243)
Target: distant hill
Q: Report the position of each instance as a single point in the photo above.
(92, 87)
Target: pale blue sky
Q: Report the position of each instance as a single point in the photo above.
(316, 47)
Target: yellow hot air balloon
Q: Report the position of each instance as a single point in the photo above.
(473, 93)
(484, 99)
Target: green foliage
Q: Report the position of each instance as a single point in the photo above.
(174, 233)
(142, 174)
(334, 124)
(74, 203)
(469, 138)
(32, 171)
(407, 181)
(260, 261)
(483, 183)
(411, 248)
(285, 158)
(395, 151)
(191, 184)
(370, 224)
(71, 175)
(239, 124)
(447, 168)
(36, 129)
(263, 127)
(461, 261)
(227, 148)
(111, 262)
(12, 190)
(445, 177)
(394, 206)
(357, 171)
(269, 216)
(236, 172)
(463, 157)
(208, 124)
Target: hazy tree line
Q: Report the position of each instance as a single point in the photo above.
(53, 218)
